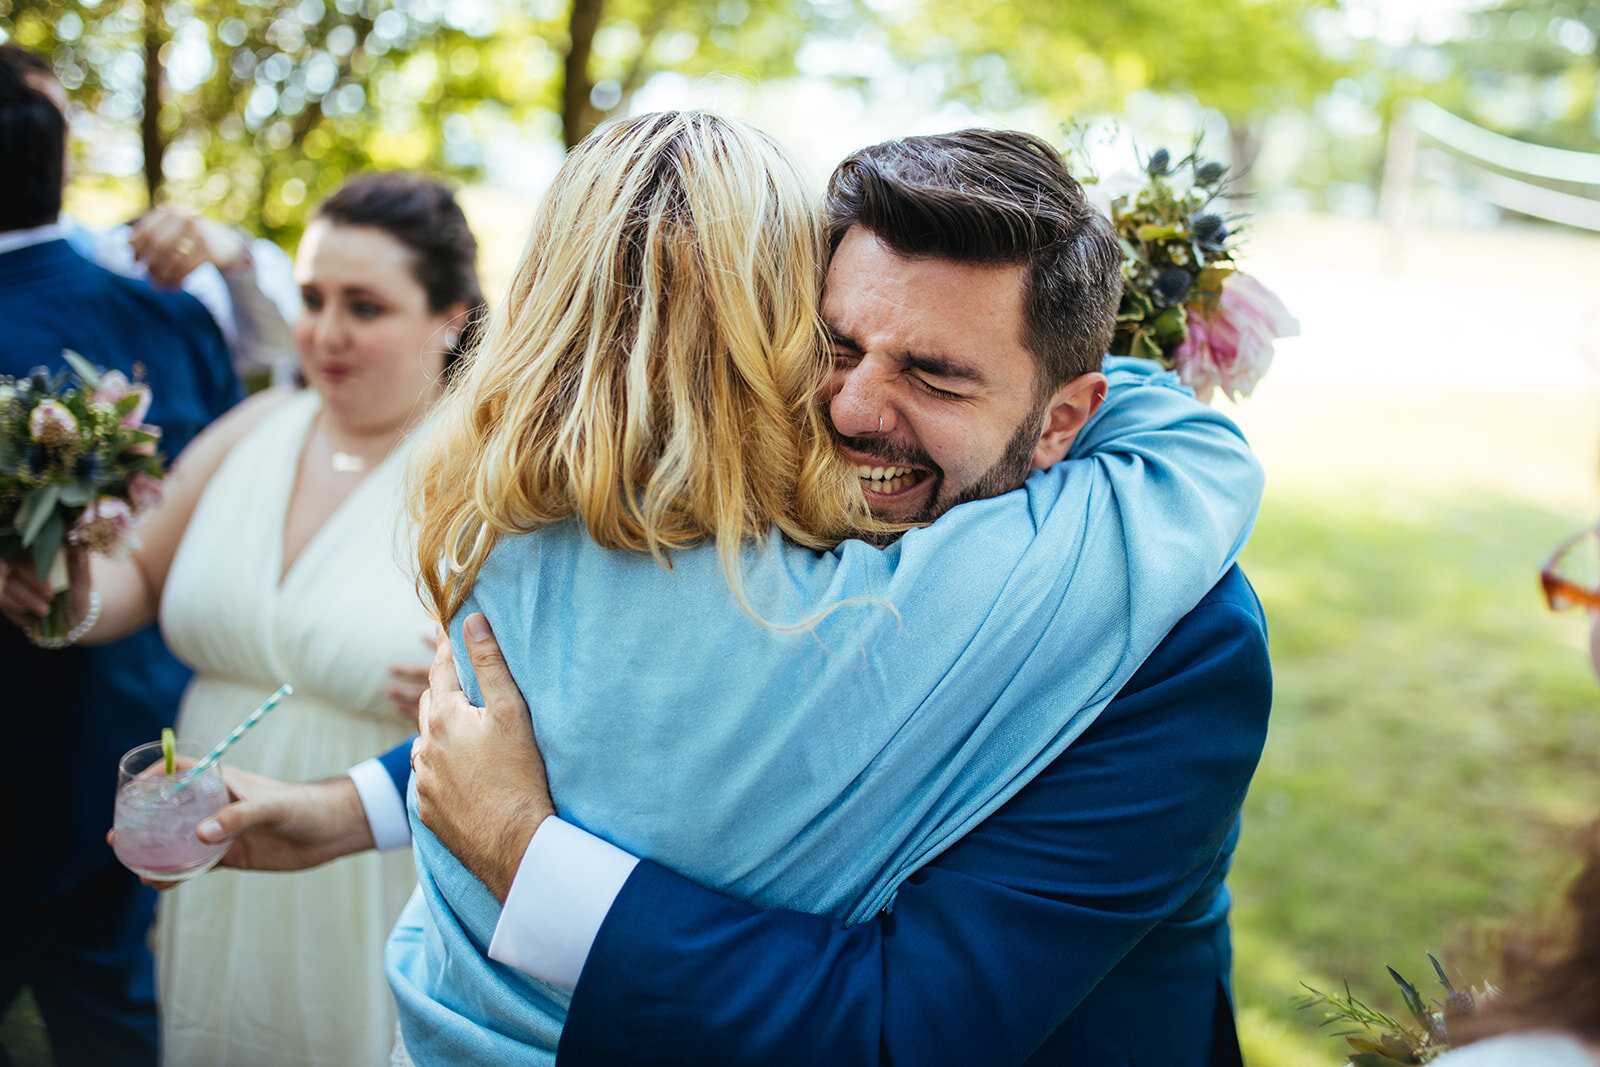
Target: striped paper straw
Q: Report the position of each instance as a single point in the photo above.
(238, 731)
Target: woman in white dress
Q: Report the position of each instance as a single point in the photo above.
(272, 559)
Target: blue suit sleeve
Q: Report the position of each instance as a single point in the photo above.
(397, 761)
(990, 948)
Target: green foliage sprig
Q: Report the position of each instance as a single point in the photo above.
(1384, 1040)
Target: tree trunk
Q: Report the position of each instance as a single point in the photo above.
(577, 114)
(150, 123)
(1244, 144)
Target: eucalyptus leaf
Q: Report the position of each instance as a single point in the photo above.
(76, 495)
(82, 367)
(35, 510)
(47, 544)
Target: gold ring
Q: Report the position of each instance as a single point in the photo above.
(184, 247)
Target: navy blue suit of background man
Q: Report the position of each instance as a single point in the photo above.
(78, 921)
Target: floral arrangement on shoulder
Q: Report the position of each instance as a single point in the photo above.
(1184, 302)
(78, 464)
(1385, 1041)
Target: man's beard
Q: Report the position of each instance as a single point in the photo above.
(1007, 473)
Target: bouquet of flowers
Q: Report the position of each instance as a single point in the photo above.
(1384, 1041)
(78, 463)
(1184, 303)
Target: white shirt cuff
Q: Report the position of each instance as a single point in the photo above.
(565, 886)
(386, 808)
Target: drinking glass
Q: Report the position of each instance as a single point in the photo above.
(154, 826)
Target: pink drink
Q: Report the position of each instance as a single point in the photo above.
(155, 826)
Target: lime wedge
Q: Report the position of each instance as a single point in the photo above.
(169, 743)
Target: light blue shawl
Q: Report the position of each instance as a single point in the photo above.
(816, 769)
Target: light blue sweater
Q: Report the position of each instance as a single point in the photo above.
(816, 769)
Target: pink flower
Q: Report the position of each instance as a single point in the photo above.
(52, 424)
(142, 408)
(103, 527)
(144, 491)
(1231, 345)
(114, 385)
(144, 448)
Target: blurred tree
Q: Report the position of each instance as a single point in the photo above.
(253, 110)
(1244, 58)
(1529, 69)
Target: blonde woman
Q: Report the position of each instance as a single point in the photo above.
(635, 482)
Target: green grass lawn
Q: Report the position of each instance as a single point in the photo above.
(1433, 744)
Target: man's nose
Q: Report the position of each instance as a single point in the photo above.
(860, 405)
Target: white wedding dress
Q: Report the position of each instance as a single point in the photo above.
(264, 968)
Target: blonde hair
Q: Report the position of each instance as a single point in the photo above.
(655, 368)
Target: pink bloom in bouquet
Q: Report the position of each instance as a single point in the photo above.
(114, 386)
(104, 526)
(1230, 346)
(52, 424)
(144, 492)
(144, 448)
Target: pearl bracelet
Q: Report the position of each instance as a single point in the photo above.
(72, 636)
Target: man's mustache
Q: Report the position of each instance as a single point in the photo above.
(887, 452)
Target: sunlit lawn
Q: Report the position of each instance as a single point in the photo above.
(1435, 737)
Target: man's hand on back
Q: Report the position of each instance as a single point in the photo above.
(480, 780)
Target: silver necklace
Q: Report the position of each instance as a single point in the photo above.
(349, 463)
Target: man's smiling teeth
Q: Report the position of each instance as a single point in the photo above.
(886, 479)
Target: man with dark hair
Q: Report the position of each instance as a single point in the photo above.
(246, 284)
(970, 298)
(78, 921)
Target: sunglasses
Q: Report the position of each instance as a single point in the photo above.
(1571, 576)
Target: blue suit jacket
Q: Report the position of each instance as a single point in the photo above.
(1083, 923)
(74, 712)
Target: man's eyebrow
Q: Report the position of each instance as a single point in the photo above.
(944, 367)
(927, 363)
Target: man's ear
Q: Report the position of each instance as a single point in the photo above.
(1069, 408)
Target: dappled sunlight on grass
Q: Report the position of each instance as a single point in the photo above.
(1434, 741)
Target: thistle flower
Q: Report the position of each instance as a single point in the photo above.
(1173, 284)
(104, 526)
(1209, 230)
(37, 459)
(88, 468)
(52, 424)
(1209, 174)
(1230, 346)
(1160, 160)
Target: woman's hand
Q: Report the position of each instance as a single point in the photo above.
(410, 682)
(25, 598)
(172, 241)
